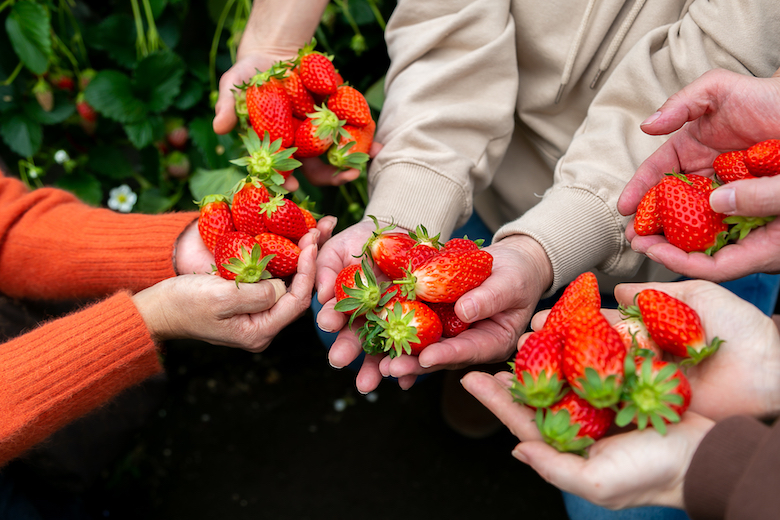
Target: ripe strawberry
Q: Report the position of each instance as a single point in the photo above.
(593, 355)
(674, 326)
(571, 424)
(269, 107)
(353, 147)
(285, 262)
(284, 217)
(267, 161)
(763, 159)
(447, 276)
(316, 70)
(463, 244)
(418, 255)
(351, 106)
(85, 110)
(647, 220)
(687, 219)
(539, 379)
(62, 80)
(357, 290)
(730, 166)
(309, 218)
(409, 327)
(317, 133)
(657, 393)
(389, 249)
(238, 257)
(301, 99)
(451, 324)
(215, 219)
(248, 196)
(583, 291)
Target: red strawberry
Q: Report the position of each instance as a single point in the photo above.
(687, 219)
(539, 379)
(269, 107)
(763, 159)
(311, 220)
(351, 106)
(238, 257)
(389, 249)
(418, 255)
(451, 324)
(408, 328)
(357, 290)
(301, 99)
(571, 424)
(267, 161)
(248, 196)
(674, 326)
(62, 80)
(593, 355)
(463, 244)
(215, 219)
(353, 147)
(658, 393)
(316, 70)
(284, 217)
(287, 252)
(647, 220)
(583, 291)
(730, 166)
(447, 276)
(317, 133)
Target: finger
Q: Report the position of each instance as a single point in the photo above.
(329, 319)
(485, 342)
(252, 298)
(641, 244)
(406, 382)
(402, 366)
(563, 470)
(326, 225)
(318, 173)
(649, 173)
(225, 114)
(496, 398)
(291, 184)
(368, 377)
(345, 350)
(754, 197)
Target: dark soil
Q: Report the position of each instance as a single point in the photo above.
(230, 434)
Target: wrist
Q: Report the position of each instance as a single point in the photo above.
(537, 259)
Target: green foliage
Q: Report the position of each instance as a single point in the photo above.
(145, 67)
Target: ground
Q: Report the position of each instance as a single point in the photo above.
(230, 434)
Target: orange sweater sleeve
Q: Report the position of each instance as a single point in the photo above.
(52, 246)
(65, 368)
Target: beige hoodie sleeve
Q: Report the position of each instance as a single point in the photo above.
(448, 116)
(577, 222)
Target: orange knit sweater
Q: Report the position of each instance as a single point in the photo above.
(54, 247)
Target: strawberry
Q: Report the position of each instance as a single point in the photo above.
(451, 324)
(389, 249)
(284, 217)
(730, 166)
(572, 424)
(539, 379)
(674, 326)
(316, 70)
(267, 161)
(357, 290)
(176, 133)
(418, 255)
(636, 337)
(463, 244)
(309, 218)
(44, 95)
(583, 291)
(301, 99)
(593, 355)
(447, 276)
(85, 110)
(647, 220)
(317, 133)
(248, 195)
(177, 164)
(351, 106)
(62, 80)
(687, 219)
(763, 159)
(353, 147)
(215, 219)
(238, 257)
(408, 328)
(657, 393)
(285, 262)
(269, 107)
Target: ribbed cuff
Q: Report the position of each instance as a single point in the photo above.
(63, 369)
(409, 194)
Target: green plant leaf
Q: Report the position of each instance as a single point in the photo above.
(210, 182)
(110, 93)
(29, 29)
(116, 36)
(375, 94)
(206, 141)
(86, 187)
(7, 98)
(146, 132)
(157, 79)
(63, 109)
(22, 135)
(153, 201)
(191, 92)
(110, 162)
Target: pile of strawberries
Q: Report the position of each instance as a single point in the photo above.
(583, 374)
(412, 305)
(678, 207)
(306, 104)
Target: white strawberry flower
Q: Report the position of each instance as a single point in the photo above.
(122, 199)
(61, 157)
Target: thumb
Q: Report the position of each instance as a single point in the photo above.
(748, 197)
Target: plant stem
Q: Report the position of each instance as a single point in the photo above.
(140, 38)
(377, 14)
(10, 79)
(215, 45)
(5, 4)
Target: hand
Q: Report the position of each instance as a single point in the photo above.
(630, 469)
(211, 309)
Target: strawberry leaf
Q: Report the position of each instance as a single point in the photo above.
(22, 135)
(110, 92)
(29, 28)
(157, 80)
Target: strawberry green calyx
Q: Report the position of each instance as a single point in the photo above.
(420, 235)
(327, 124)
(540, 392)
(341, 158)
(375, 235)
(742, 226)
(600, 393)
(365, 296)
(652, 396)
(249, 267)
(214, 197)
(308, 49)
(695, 356)
(266, 159)
(559, 432)
(276, 71)
(396, 332)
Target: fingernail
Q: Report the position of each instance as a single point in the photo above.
(519, 455)
(651, 256)
(650, 120)
(724, 200)
(469, 309)
(334, 366)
